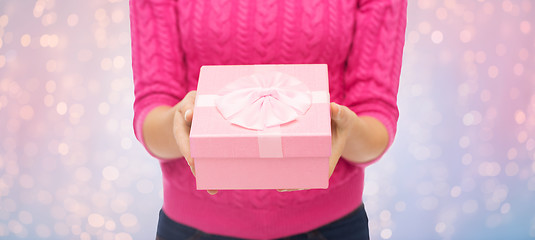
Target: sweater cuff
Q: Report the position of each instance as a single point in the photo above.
(141, 112)
(391, 128)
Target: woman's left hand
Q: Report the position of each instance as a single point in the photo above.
(342, 122)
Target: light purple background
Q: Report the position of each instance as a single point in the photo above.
(462, 165)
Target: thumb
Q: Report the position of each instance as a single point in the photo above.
(188, 115)
(341, 115)
(186, 106)
(336, 112)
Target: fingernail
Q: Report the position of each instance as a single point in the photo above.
(192, 168)
(192, 171)
(186, 114)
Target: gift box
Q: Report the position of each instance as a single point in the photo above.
(262, 127)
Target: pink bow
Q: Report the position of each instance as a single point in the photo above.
(264, 100)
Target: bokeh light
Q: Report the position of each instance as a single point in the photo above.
(482, 149)
(462, 165)
(63, 175)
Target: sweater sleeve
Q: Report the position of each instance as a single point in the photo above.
(157, 58)
(374, 62)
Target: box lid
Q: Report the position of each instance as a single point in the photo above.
(213, 136)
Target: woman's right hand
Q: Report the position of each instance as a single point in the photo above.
(182, 126)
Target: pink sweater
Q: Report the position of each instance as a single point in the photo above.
(360, 40)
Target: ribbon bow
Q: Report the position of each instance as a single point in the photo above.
(264, 100)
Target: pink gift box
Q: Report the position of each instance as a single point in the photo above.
(262, 127)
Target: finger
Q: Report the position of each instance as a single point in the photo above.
(183, 118)
(191, 164)
(182, 130)
(212, 192)
(186, 153)
(182, 136)
(188, 115)
(333, 162)
(341, 115)
(190, 96)
(335, 111)
(291, 190)
(186, 107)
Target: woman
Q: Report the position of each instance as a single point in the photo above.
(361, 41)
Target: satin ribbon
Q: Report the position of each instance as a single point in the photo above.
(263, 100)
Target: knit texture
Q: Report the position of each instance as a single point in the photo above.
(361, 41)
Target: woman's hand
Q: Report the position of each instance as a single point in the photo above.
(182, 126)
(357, 139)
(343, 120)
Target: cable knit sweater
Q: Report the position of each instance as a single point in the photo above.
(360, 40)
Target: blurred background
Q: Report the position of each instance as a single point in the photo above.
(462, 165)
